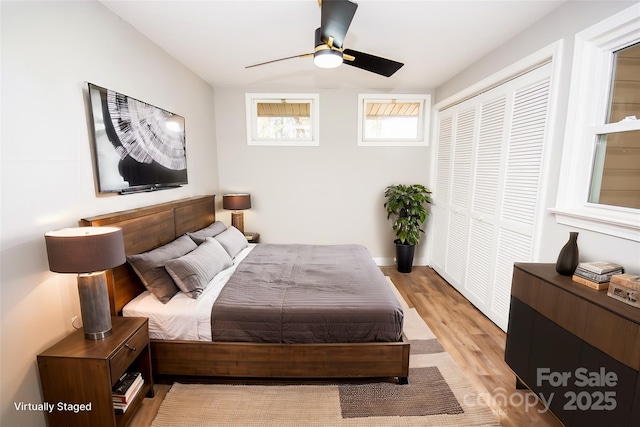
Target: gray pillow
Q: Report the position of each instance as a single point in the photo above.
(193, 271)
(149, 266)
(213, 230)
(232, 240)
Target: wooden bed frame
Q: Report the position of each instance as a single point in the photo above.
(153, 226)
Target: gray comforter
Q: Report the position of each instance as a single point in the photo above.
(307, 294)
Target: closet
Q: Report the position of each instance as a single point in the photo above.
(489, 159)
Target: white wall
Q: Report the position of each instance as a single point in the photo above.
(330, 194)
(49, 50)
(562, 24)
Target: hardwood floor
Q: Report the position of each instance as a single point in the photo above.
(474, 342)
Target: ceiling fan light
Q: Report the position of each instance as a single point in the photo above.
(327, 58)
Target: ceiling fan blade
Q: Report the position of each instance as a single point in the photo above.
(375, 64)
(336, 16)
(304, 55)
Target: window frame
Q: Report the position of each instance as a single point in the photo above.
(251, 105)
(422, 139)
(589, 97)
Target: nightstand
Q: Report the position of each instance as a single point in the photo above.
(252, 237)
(77, 374)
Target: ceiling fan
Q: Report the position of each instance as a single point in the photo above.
(336, 16)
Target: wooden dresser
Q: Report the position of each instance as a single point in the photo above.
(575, 347)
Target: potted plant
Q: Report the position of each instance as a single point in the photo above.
(407, 205)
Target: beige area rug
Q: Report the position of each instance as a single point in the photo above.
(438, 394)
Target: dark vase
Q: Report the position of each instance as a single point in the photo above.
(404, 257)
(568, 256)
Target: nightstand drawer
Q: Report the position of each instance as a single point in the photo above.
(128, 352)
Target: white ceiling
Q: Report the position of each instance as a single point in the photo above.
(434, 39)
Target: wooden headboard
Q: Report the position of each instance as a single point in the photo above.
(148, 228)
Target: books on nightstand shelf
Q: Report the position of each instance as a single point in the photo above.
(126, 390)
(596, 275)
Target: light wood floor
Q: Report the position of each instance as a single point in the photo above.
(474, 342)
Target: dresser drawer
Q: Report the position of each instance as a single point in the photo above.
(128, 352)
(614, 335)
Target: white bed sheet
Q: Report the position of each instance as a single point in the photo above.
(182, 318)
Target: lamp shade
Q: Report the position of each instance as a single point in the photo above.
(236, 202)
(85, 249)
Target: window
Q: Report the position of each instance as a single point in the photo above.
(393, 120)
(600, 179)
(282, 119)
(615, 179)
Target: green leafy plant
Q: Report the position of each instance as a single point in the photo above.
(406, 204)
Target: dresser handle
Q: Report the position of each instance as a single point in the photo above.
(130, 348)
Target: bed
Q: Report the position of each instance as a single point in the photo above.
(151, 227)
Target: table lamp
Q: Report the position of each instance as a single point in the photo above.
(88, 251)
(237, 202)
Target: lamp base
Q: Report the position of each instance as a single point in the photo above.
(94, 305)
(97, 335)
(237, 220)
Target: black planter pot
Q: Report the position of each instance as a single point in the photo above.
(404, 257)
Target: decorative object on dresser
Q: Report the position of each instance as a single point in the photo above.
(596, 275)
(568, 256)
(406, 204)
(626, 288)
(78, 376)
(88, 251)
(575, 347)
(237, 203)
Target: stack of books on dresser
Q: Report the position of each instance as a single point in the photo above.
(596, 275)
(626, 288)
(126, 390)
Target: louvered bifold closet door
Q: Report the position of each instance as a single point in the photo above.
(457, 132)
(484, 212)
(461, 168)
(450, 210)
(488, 166)
(440, 207)
(520, 202)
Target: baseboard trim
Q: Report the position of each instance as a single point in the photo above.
(386, 262)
